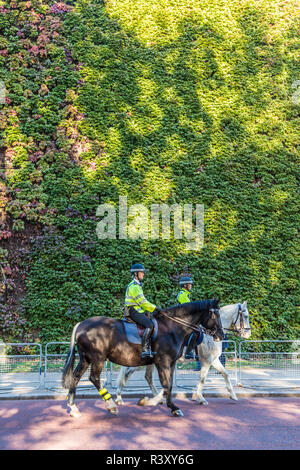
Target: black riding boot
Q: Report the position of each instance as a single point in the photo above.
(190, 349)
(189, 355)
(146, 346)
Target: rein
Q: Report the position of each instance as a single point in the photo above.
(189, 325)
(242, 328)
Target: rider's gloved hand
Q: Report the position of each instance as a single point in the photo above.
(157, 310)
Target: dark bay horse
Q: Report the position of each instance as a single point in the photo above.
(101, 338)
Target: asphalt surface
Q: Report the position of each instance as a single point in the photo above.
(254, 423)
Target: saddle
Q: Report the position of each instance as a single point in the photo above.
(134, 332)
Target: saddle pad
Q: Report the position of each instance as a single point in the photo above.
(132, 331)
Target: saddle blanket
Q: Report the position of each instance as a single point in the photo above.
(134, 332)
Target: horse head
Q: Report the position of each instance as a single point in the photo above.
(214, 323)
(242, 323)
(201, 312)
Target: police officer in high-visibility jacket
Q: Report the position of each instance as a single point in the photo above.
(185, 283)
(183, 296)
(139, 309)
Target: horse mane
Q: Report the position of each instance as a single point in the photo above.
(190, 307)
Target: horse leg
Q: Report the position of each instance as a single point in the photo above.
(157, 397)
(157, 400)
(96, 370)
(149, 378)
(77, 374)
(220, 368)
(198, 394)
(124, 374)
(165, 373)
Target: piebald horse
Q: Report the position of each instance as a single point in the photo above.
(235, 319)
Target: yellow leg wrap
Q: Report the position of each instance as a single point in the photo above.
(104, 394)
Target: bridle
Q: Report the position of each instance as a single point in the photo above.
(239, 316)
(196, 328)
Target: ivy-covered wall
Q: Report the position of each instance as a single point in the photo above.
(173, 101)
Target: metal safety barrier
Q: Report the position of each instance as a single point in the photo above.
(276, 367)
(258, 363)
(20, 366)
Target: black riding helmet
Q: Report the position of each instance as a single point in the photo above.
(135, 268)
(185, 280)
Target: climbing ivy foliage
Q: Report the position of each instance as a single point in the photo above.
(175, 102)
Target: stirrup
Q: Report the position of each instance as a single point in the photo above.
(148, 353)
(189, 355)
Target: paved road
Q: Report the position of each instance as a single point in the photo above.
(254, 423)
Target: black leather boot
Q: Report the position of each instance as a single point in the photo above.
(146, 346)
(190, 349)
(189, 355)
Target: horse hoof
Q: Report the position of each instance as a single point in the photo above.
(177, 413)
(75, 413)
(142, 401)
(203, 403)
(119, 401)
(111, 407)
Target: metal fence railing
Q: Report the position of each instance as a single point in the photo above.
(20, 366)
(268, 363)
(278, 366)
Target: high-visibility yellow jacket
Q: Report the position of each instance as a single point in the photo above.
(183, 296)
(135, 298)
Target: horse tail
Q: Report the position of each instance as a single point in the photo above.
(67, 377)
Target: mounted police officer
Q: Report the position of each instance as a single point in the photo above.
(139, 309)
(186, 283)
